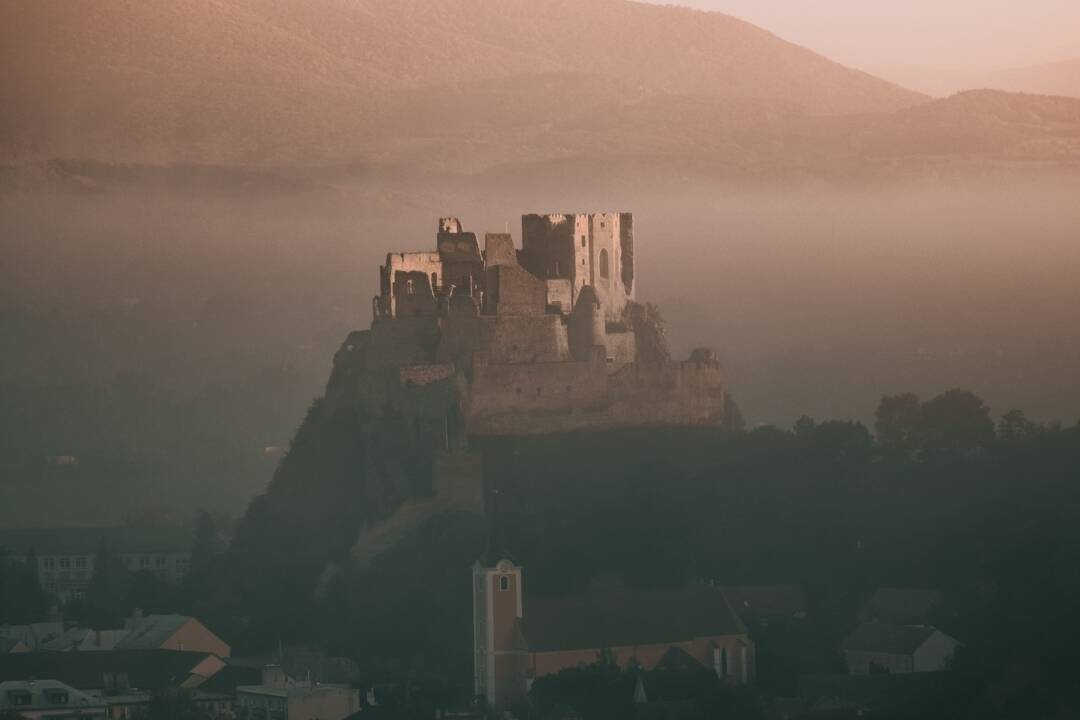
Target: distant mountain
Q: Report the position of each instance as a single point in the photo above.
(260, 82)
(1060, 78)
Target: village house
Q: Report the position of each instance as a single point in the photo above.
(33, 699)
(280, 697)
(66, 557)
(880, 648)
(125, 681)
(515, 643)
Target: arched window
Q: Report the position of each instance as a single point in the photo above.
(604, 272)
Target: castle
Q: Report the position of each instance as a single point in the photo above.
(467, 341)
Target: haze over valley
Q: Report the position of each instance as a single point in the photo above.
(195, 199)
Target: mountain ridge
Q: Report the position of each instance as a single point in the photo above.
(248, 81)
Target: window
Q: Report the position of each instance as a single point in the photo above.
(65, 563)
(504, 583)
(723, 662)
(410, 287)
(434, 280)
(604, 264)
(80, 563)
(19, 697)
(144, 562)
(56, 697)
(160, 562)
(50, 563)
(582, 241)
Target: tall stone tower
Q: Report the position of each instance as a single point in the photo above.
(499, 661)
(588, 249)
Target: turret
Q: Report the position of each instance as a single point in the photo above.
(586, 329)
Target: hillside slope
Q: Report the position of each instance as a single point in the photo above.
(251, 81)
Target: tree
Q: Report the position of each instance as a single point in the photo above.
(1014, 426)
(804, 428)
(955, 420)
(21, 598)
(207, 544)
(108, 593)
(897, 419)
(648, 326)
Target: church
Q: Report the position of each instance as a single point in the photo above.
(516, 640)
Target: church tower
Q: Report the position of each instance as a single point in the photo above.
(499, 660)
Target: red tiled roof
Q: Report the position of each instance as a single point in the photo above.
(619, 618)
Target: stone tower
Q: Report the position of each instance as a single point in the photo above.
(499, 663)
(588, 250)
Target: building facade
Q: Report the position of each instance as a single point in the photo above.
(66, 557)
(516, 640)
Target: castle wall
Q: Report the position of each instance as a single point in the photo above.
(566, 397)
(560, 294)
(585, 249)
(507, 392)
(428, 263)
(499, 250)
(527, 339)
(513, 290)
(621, 347)
(401, 341)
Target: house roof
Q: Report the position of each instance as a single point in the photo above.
(889, 639)
(623, 617)
(34, 634)
(145, 669)
(80, 638)
(902, 605)
(151, 632)
(84, 541)
(765, 600)
(11, 644)
(40, 690)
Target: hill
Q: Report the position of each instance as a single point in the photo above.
(252, 82)
(1058, 78)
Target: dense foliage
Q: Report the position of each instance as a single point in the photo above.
(941, 497)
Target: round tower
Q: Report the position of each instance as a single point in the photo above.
(586, 329)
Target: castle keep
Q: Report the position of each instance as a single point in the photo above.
(470, 341)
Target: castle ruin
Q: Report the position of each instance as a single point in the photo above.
(468, 344)
(506, 341)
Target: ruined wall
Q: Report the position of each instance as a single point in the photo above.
(621, 347)
(428, 263)
(463, 266)
(567, 397)
(512, 290)
(506, 399)
(547, 245)
(560, 295)
(526, 339)
(585, 249)
(499, 250)
(413, 295)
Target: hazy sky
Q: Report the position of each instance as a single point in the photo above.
(956, 34)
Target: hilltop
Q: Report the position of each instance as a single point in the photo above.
(248, 82)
